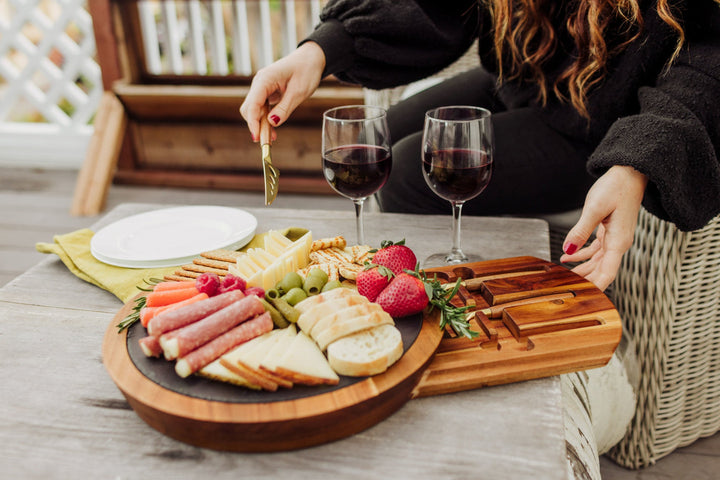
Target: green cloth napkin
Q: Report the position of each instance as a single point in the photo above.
(74, 250)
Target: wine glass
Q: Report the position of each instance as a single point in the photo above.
(457, 161)
(356, 154)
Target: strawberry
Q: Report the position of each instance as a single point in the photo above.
(373, 280)
(395, 256)
(406, 295)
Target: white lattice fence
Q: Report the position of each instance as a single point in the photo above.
(50, 84)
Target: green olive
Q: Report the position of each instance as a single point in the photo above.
(290, 280)
(294, 296)
(331, 284)
(313, 284)
(318, 272)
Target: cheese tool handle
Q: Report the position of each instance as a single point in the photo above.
(496, 311)
(264, 128)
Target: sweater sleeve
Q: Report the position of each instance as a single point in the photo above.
(675, 137)
(385, 43)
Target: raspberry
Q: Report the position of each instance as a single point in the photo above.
(231, 282)
(255, 291)
(208, 283)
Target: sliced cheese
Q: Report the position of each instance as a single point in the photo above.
(278, 349)
(304, 363)
(216, 371)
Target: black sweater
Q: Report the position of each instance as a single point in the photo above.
(663, 122)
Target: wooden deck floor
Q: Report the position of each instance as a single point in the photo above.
(35, 204)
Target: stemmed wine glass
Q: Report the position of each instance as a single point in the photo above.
(356, 154)
(457, 161)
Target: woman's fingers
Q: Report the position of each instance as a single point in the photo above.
(283, 85)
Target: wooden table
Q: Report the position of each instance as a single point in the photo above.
(63, 417)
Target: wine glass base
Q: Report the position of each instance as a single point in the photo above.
(445, 259)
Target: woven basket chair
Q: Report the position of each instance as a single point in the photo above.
(668, 294)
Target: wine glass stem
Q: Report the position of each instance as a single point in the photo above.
(359, 202)
(456, 251)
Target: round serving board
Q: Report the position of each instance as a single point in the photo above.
(225, 417)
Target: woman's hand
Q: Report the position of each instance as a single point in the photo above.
(612, 206)
(284, 85)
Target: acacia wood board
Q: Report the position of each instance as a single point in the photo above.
(573, 326)
(534, 318)
(221, 416)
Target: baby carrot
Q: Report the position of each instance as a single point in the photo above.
(147, 313)
(173, 285)
(167, 297)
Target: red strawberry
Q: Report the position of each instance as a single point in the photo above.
(395, 256)
(373, 280)
(404, 296)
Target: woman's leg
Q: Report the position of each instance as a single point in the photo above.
(475, 87)
(535, 171)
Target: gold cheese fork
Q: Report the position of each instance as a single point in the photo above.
(270, 173)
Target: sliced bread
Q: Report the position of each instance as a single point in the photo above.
(309, 318)
(365, 353)
(352, 324)
(323, 297)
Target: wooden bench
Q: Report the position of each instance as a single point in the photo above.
(174, 75)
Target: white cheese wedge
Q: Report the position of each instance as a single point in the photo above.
(216, 371)
(303, 362)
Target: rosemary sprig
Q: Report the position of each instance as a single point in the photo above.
(451, 315)
(134, 316)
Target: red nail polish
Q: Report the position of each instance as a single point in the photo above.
(570, 248)
(275, 119)
(254, 138)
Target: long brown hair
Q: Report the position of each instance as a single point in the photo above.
(525, 35)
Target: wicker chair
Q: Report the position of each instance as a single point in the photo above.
(668, 294)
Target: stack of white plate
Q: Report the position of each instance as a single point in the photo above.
(172, 236)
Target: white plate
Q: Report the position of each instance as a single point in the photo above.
(172, 236)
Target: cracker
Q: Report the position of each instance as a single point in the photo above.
(349, 271)
(223, 255)
(330, 268)
(175, 278)
(186, 274)
(361, 254)
(334, 255)
(220, 265)
(193, 267)
(323, 243)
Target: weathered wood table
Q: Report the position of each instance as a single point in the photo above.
(61, 416)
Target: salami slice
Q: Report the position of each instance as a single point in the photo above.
(179, 317)
(178, 343)
(150, 346)
(214, 349)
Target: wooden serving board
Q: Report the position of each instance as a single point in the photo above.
(570, 326)
(535, 319)
(221, 416)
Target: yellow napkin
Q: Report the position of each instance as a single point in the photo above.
(74, 250)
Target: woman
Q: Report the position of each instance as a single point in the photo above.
(604, 104)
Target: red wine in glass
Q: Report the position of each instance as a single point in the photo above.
(356, 154)
(457, 174)
(357, 171)
(457, 160)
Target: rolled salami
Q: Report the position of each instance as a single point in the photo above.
(214, 349)
(179, 317)
(150, 346)
(178, 343)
